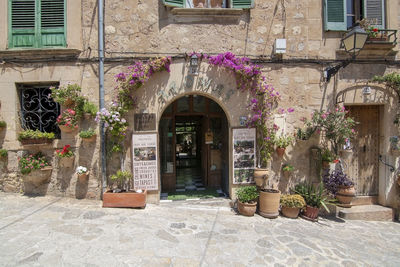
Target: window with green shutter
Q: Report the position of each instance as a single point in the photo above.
(335, 15)
(37, 23)
(243, 4)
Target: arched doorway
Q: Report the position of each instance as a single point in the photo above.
(194, 148)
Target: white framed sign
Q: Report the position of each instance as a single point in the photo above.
(144, 161)
(244, 155)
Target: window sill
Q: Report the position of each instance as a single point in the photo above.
(208, 12)
(39, 53)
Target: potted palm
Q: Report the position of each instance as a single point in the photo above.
(315, 199)
(339, 185)
(120, 195)
(291, 205)
(247, 200)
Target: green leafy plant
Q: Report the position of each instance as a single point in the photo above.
(287, 168)
(64, 94)
(314, 196)
(283, 141)
(3, 153)
(90, 108)
(293, 201)
(65, 152)
(327, 155)
(31, 134)
(121, 179)
(3, 124)
(87, 133)
(32, 162)
(247, 194)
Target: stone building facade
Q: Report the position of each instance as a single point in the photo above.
(138, 30)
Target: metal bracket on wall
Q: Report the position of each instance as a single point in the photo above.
(391, 167)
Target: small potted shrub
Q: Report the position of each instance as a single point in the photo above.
(339, 185)
(282, 142)
(65, 157)
(291, 205)
(3, 153)
(88, 135)
(67, 121)
(287, 169)
(315, 199)
(82, 173)
(66, 95)
(120, 195)
(89, 110)
(247, 200)
(28, 137)
(35, 168)
(327, 157)
(3, 125)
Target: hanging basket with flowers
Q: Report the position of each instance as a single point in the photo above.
(65, 157)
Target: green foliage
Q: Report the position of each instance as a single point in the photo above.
(90, 108)
(31, 134)
(32, 162)
(247, 194)
(63, 93)
(305, 134)
(293, 201)
(3, 124)
(287, 168)
(87, 133)
(327, 155)
(3, 153)
(283, 141)
(314, 196)
(121, 178)
(391, 80)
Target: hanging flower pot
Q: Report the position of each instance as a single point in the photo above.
(67, 129)
(66, 162)
(90, 139)
(260, 176)
(280, 151)
(69, 102)
(39, 176)
(83, 177)
(345, 194)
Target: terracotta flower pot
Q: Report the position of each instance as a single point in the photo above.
(124, 200)
(66, 162)
(67, 129)
(290, 212)
(83, 177)
(280, 151)
(260, 176)
(90, 139)
(36, 141)
(345, 194)
(247, 209)
(69, 102)
(269, 200)
(286, 174)
(38, 177)
(311, 212)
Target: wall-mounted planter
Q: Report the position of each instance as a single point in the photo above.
(124, 200)
(66, 162)
(83, 177)
(90, 139)
(36, 141)
(38, 177)
(67, 129)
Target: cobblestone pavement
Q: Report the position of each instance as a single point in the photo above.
(49, 231)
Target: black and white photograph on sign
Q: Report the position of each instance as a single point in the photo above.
(144, 163)
(244, 159)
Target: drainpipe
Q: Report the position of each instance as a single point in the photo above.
(101, 93)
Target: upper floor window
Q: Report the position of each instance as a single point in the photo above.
(36, 23)
(210, 3)
(341, 15)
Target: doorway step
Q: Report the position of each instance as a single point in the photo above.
(367, 213)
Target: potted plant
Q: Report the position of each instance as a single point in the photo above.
(3, 154)
(35, 168)
(65, 157)
(120, 196)
(3, 125)
(327, 157)
(287, 169)
(247, 200)
(88, 135)
(291, 205)
(282, 142)
(89, 110)
(315, 199)
(66, 94)
(27, 137)
(339, 185)
(394, 145)
(82, 173)
(67, 121)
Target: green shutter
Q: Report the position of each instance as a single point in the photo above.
(242, 3)
(174, 3)
(22, 23)
(335, 15)
(52, 22)
(375, 10)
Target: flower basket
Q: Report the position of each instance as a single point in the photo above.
(67, 129)
(36, 141)
(38, 177)
(90, 139)
(66, 162)
(83, 177)
(124, 200)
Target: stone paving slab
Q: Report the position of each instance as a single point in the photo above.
(49, 231)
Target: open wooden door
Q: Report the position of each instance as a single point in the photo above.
(167, 153)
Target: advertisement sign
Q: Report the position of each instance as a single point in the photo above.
(144, 161)
(244, 155)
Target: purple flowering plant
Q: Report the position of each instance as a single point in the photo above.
(335, 179)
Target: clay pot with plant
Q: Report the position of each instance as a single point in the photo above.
(287, 170)
(327, 157)
(66, 157)
(83, 173)
(88, 135)
(31, 137)
(291, 205)
(281, 143)
(247, 200)
(315, 197)
(340, 186)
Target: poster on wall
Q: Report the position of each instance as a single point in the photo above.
(144, 161)
(244, 155)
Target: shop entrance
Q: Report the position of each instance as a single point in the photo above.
(193, 134)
